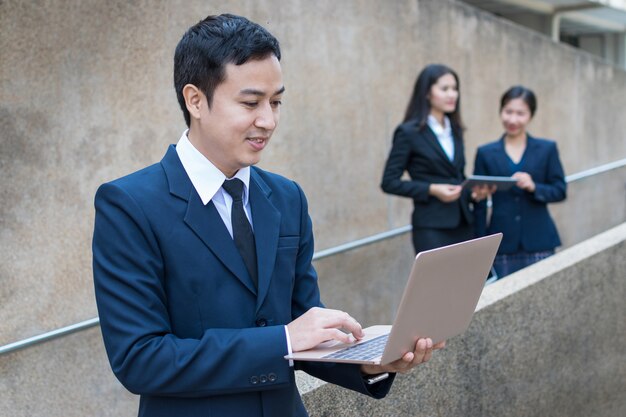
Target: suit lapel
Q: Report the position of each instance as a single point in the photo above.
(433, 142)
(531, 145)
(205, 221)
(266, 219)
(502, 159)
(459, 154)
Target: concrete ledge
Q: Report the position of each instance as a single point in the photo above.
(547, 340)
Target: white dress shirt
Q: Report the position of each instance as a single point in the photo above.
(207, 179)
(444, 134)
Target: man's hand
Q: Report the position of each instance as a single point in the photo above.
(445, 192)
(321, 324)
(423, 352)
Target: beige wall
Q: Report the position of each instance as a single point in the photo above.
(86, 96)
(545, 341)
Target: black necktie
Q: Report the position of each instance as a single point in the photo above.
(242, 231)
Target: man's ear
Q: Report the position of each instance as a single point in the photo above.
(193, 100)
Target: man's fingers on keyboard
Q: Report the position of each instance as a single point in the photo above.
(338, 335)
(351, 325)
(329, 318)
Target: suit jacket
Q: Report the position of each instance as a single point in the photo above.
(182, 322)
(418, 152)
(521, 216)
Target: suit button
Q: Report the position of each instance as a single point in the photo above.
(261, 322)
(518, 218)
(272, 377)
(263, 379)
(254, 380)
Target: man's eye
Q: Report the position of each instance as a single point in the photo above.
(276, 103)
(250, 103)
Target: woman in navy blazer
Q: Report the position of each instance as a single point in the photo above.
(429, 146)
(521, 213)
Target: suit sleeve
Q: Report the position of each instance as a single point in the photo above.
(306, 296)
(145, 355)
(397, 163)
(554, 188)
(480, 208)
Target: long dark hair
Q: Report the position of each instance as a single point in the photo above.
(419, 106)
(519, 91)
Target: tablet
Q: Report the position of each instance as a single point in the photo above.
(503, 183)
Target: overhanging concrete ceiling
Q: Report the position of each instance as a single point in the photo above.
(569, 17)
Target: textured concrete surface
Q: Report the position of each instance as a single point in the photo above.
(547, 341)
(86, 96)
(67, 377)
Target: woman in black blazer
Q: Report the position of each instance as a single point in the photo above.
(521, 213)
(429, 146)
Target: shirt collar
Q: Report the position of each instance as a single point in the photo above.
(433, 123)
(206, 178)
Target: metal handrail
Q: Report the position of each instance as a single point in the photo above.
(361, 242)
(84, 325)
(44, 337)
(594, 171)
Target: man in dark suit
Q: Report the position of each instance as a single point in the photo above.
(202, 262)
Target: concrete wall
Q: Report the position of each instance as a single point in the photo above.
(593, 204)
(609, 46)
(86, 96)
(67, 377)
(546, 341)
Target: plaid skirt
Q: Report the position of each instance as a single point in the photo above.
(506, 264)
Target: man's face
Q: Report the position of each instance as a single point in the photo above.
(244, 113)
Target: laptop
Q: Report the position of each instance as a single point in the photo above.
(438, 302)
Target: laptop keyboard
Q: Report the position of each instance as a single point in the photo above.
(363, 351)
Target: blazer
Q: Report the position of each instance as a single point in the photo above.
(183, 325)
(418, 152)
(521, 216)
